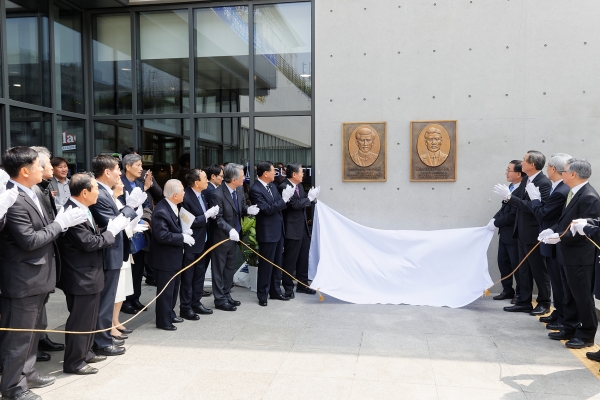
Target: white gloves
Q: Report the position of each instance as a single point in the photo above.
(187, 239)
(287, 193)
(7, 199)
(491, 225)
(188, 232)
(136, 198)
(70, 217)
(117, 224)
(3, 180)
(544, 234)
(139, 212)
(138, 228)
(253, 210)
(552, 239)
(502, 190)
(211, 212)
(533, 191)
(234, 235)
(577, 226)
(313, 193)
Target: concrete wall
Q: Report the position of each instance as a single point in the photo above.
(530, 67)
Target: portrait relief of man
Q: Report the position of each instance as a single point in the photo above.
(433, 157)
(365, 138)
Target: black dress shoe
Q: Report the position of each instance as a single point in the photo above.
(234, 302)
(26, 395)
(291, 295)
(49, 345)
(262, 303)
(87, 370)
(206, 293)
(126, 331)
(177, 320)
(305, 290)
(279, 297)
(548, 319)
(593, 355)
(202, 310)
(577, 343)
(111, 350)
(41, 356)
(189, 314)
(168, 328)
(139, 306)
(555, 326)
(516, 308)
(41, 381)
(225, 307)
(151, 282)
(504, 296)
(514, 300)
(120, 337)
(128, 309)
(540, 310)
(96, 359)
(560, 335)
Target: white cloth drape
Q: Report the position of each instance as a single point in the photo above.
(364, 265)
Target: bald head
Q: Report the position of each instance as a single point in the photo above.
(173, 191)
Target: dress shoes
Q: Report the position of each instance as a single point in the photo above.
(96, 359)
(41, 381)
(548, 319)
(111, 350)
(87, 370)
(118, 342)
(516, 308)
(560, 335)
(128, 309)
(150, 282)
(202, 310)
(305, 290)
(514, 300)
(26, 395)
(177, 320)
(540, 310)
(126, 331)
(593, 355)
(279, 297)
(190, 315)
(206, 293)
(139, 306)
(291, 295)
(225, 307)
(120, 337)
(504, 296)
(555, 326)
(49, 345)
(168, 328)
(41, 356)
(234, 302)
(262, 303)
(577, 343)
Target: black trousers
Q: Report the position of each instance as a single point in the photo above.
(532, 269)
(137, 274)
(295, 261)
(18, 350)
(106, 308)
(558, 293)
(83, 314)
(223, 268)
(165, 304)
(578, 303)
(192, 281)
(44, 320)
(268, 281)
(508, 259)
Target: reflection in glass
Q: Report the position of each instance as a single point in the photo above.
(165, 144)
(30, 128)
(221, 140)
(163, 85)
(28, 50)
(112, 137)
(282, 58)
(70, 142)
(221, 43)
(112, 64)
(68, 68)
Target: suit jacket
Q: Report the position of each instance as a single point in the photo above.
(269, 221)
(200, 224)
(294, 215)
(128, 188)
(82, 258)
(29, 260)
(548, 214)
(43, 192)
(577, 250)
(103, 211)
(207, 193)
(527, 227)
(166, 245)
(225, 220)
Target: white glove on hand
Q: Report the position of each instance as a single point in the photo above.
(117, 224)
(544, 234)
(211, 212)
(287, 193)
(312, 194)
(136, 198)
(253, 210)
(139, 228)
(7, 199)
(70, 217)
(533, 191)
(187, 239)
(552, 239)
(139, 211)
(188, 232)
(491, 225)
(3, 180)
(502, 191)
(577, 226)
(234, 235)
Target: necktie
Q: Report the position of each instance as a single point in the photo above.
(510, 187)
(201, 203)
(269, 190)
(297, 191)
(238, 226)
(552, 190)
(37, 203)
(569, 197)
(91, 219)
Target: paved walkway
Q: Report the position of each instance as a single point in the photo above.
(332, 350)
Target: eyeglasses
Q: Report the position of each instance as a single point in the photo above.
(510, 170)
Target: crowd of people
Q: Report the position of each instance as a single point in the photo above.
(556, 210)
(96, 234)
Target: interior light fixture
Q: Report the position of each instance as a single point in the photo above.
(125, 69)
(16, 84)
(305, 75)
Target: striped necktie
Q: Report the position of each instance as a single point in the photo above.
(569, 197)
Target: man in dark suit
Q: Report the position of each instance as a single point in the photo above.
(166, 253)
(107, 173)
(548, 214)
(228, 224)
(577, 256)
(29, 266)
(192, 279)
(504, 220)
(82, 277)
(214, 174)
(297, 238)
(526, 231)
(269, 231)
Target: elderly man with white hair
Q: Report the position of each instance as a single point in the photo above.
(166, 253)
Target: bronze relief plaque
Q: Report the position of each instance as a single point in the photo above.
(433, 151)
(364, 151)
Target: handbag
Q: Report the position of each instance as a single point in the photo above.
(138, 242)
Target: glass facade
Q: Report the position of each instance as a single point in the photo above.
(170, 80)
